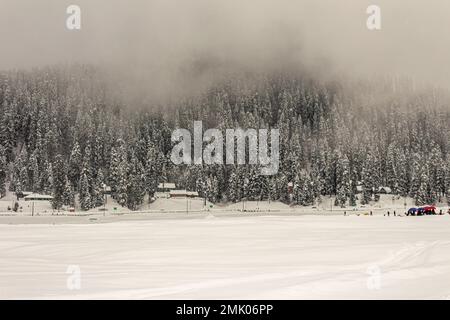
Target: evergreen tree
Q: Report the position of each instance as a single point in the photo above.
(68, 196)
(3, 171)
(84, 194)
(367, 179)
(151, 172)
(422, 194)
(34, 173)
(59, 182)
(75, 165)
(20, 173)
(391, 168)
(46, 184)
(343, 180)
(402, 180)
(234, 193)
(121, 194)
(135, 188)
(97, 190)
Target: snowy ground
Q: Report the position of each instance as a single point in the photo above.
(197, 205)
(219, 256)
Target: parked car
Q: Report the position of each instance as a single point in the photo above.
(412, 212)
(430, 210)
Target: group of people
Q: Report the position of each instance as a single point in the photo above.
(413, 212)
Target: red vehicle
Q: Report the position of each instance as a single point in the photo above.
(429, 210)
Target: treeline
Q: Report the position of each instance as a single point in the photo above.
(64, 132)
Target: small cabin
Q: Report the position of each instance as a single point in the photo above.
(183, 194)
(384, 190)
(38, 197)
(165, 187)
(106, 190)
(192, 194)
(23, 194)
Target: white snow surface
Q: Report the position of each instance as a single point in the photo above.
(212, 256)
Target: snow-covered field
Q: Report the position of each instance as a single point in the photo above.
(229, 257)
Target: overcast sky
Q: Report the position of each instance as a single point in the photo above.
(155, 36)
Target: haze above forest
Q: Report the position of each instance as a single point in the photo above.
(157, 46)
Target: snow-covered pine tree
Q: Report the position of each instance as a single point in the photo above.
(7, 126)
(377, 172)
(448, 197)
(212, 186)
(23, 177)
(391, 168)
(97, 196)
(416, 174)
(256, 184)
(3, 171)
(151, 171)
(353, 187)
(121, 194)
(135, 187)
(117, 169)
(306, 197)
(435, 165)
(342, 180)
(59, 183)
(20, 173)
(232, 186)
(34, 172)
(402, 176)
(447, 181)
(68, 195)
(341, 197)
(75, 165)
(422, 196)
(84, 193)
(367, 179)
(46, 178)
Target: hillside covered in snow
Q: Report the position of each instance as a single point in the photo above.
(64, 132)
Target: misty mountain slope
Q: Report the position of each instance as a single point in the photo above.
(76, 131)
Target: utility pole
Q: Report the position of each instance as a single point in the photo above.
(246, 181)
(104, 199)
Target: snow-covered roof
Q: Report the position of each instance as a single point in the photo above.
(38, 196)
(178, 192)
(386, 189)
(183, 193)
(166, 185)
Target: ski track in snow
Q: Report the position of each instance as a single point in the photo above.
(231, 258)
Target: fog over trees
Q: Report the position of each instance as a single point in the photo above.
(64, 131)
(357, 109)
